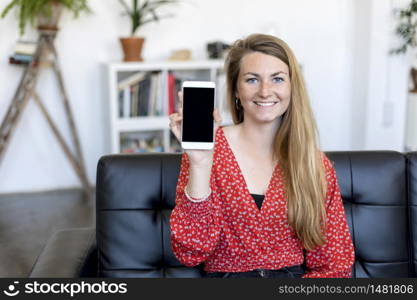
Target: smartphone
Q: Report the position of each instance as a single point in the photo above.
(197, 111)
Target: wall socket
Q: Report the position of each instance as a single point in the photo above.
(388, 114)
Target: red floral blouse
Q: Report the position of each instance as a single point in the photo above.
(230, 234)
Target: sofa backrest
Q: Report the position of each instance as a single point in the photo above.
(374, 191)
(136, 193)
(412, 208)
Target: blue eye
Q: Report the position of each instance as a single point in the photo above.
(252, 80)
(278, 79)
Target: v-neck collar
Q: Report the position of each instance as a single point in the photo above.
(242, 177)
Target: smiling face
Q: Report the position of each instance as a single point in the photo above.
(263, 87)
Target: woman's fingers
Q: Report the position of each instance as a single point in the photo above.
(217, 117)
(175, 117)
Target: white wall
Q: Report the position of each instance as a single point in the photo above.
(387, 82)
(360, 37)
(379, 94)
(324, 34)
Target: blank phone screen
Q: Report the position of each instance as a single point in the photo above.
(198, 106)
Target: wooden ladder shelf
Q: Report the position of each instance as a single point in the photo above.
(45, 54)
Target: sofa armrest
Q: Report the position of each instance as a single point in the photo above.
(65, 254)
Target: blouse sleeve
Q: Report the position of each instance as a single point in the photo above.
(335, 258)
(195, 227)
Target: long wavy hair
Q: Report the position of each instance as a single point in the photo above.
(296, 141)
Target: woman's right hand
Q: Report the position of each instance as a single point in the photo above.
(196, 157)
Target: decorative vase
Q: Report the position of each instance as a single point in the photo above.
(49, 20)
(132, 48)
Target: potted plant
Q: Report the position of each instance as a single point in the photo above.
(140, 12)
(44, 14)
(407, 32)
(406, 28)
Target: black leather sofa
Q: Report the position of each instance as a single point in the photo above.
(135, 195)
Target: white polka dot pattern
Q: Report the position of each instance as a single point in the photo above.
(230, 234)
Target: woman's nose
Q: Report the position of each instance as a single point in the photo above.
(264, 90)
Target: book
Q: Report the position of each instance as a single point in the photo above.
(171, 93)
(22, 57)
(120, 103)
(19, 59)
(153, 91)
(134, 99)
(177, 87)
(161, 103)
(144, 97)
(14, 61)
(25, 47)
(131, 80)
(127, 97)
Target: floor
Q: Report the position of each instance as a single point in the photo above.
(28, 220)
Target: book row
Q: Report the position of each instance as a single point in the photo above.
(23, 53)
(148, 94)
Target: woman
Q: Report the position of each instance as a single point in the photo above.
(265, 202)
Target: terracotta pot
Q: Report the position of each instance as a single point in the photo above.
(132, 48)
(50, 22)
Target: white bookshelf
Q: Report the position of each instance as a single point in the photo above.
(122, 126)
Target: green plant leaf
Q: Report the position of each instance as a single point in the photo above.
(143, 12)
(406, 28)
(28, 11)
(125, 6)
(9, 7)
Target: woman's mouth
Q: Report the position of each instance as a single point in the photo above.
(265, 103)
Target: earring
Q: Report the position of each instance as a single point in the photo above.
(237, 103)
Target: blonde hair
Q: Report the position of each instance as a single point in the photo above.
(295, 145)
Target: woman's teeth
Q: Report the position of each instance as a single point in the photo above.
(265, 103)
